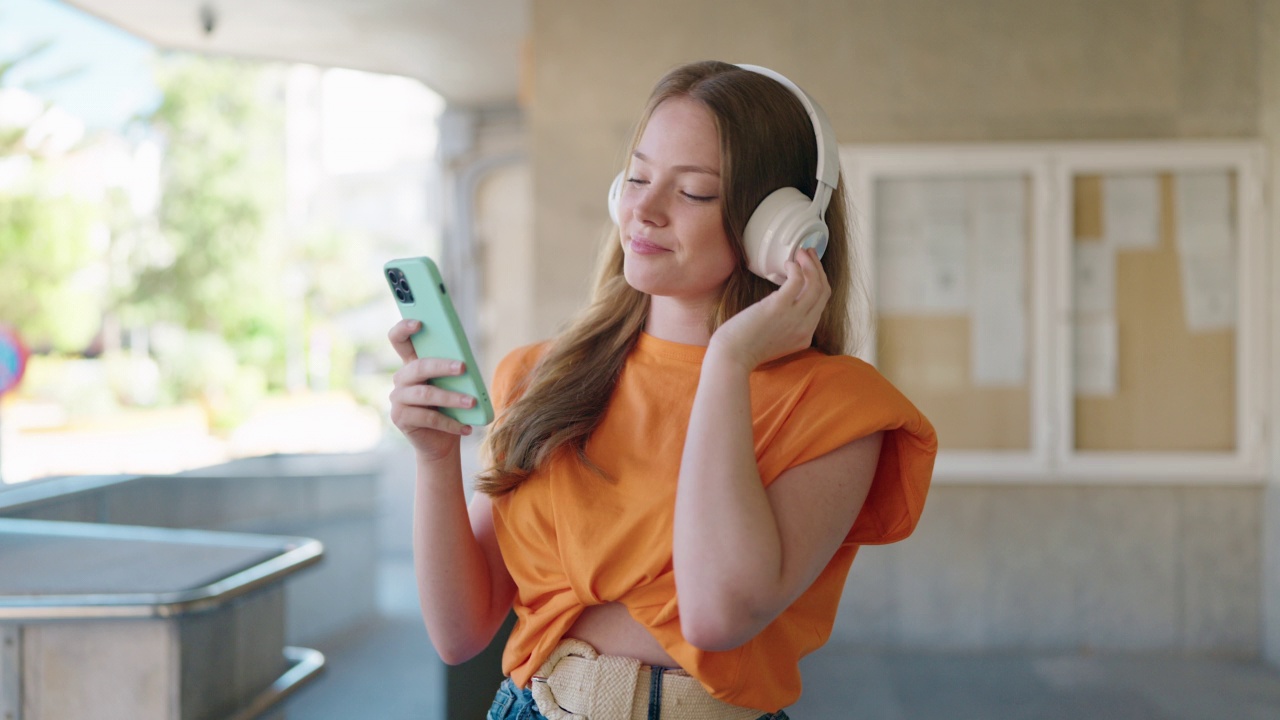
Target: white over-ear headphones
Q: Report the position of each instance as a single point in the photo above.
(786, 220)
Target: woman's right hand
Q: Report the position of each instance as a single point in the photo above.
(415, 402)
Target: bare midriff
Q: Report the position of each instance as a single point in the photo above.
(611, 630)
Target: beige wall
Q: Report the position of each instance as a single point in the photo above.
(1269, 128)
(1066, 567)
(886, 71)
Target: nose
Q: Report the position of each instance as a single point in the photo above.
(646, 204)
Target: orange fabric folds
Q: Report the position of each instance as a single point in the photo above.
(572, 539)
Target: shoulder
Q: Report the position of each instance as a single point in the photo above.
(836, 400)
(813, 403)
(512, 370)
(838, 378)
(521, 360)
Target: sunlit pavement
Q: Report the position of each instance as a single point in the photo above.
(38, 440)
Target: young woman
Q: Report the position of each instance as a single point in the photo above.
(680, 480)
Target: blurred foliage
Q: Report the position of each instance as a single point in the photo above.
(45, 286)
(216, 260)
(207, 298)
(78, 387)
(18, 61)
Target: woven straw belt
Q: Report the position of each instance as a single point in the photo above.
(578, 683)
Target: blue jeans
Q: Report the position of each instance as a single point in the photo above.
(512, 703)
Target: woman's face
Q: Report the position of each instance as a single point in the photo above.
(672, 231)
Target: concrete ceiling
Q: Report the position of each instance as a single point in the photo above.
(466, 50)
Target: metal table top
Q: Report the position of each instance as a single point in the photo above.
(60, 570)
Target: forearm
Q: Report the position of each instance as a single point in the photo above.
(727, 551)
(454, 580)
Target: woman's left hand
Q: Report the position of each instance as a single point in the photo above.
(781, 323)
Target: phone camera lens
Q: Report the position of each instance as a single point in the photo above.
(400, 285)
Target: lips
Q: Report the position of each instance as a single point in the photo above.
(640, 246)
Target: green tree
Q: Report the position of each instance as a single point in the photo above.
(46, 252)
(215, 264)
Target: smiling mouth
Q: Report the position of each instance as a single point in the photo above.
(644, 247)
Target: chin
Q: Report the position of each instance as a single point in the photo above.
(642, 281)
(668, 284)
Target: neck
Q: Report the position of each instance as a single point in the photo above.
(677, 320)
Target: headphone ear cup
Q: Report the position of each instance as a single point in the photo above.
(615, 194)
(782, 223)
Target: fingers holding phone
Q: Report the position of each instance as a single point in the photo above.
(399, 336)
(431, 329)
(439, 392)
(416, 405)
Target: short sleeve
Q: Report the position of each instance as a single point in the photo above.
(842, 399)
(510, 374)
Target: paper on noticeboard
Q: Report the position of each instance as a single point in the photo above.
(897, 247)
(1095, 363)
(1206, 249)
(998, 342)
(922, 247)
(1131, 211)
(1094, 273)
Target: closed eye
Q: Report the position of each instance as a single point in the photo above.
(700, 198)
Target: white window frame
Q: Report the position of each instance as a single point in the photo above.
(865, 165)
(1050, 168)
(1246, 161)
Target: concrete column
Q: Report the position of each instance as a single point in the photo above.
(10, 671)
(487, 257)
(1269, 129)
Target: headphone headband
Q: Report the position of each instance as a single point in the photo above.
(827, 172)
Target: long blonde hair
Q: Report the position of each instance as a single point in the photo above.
(766, 142)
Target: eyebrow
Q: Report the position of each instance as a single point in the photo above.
(680, 168)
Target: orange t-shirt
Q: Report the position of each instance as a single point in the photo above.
(572, 539)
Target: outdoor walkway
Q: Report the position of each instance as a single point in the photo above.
(384, 671)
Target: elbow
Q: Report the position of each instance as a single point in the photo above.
(719, 627)
(451, 657)
(464, 638)
(455, 654)
(455, 648)
(711, 639)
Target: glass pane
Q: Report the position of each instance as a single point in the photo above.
(952, 261)
(1155, 311)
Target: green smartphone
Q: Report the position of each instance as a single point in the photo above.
(421, 296)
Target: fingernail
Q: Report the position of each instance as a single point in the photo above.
(457, 366)
(471, 402)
